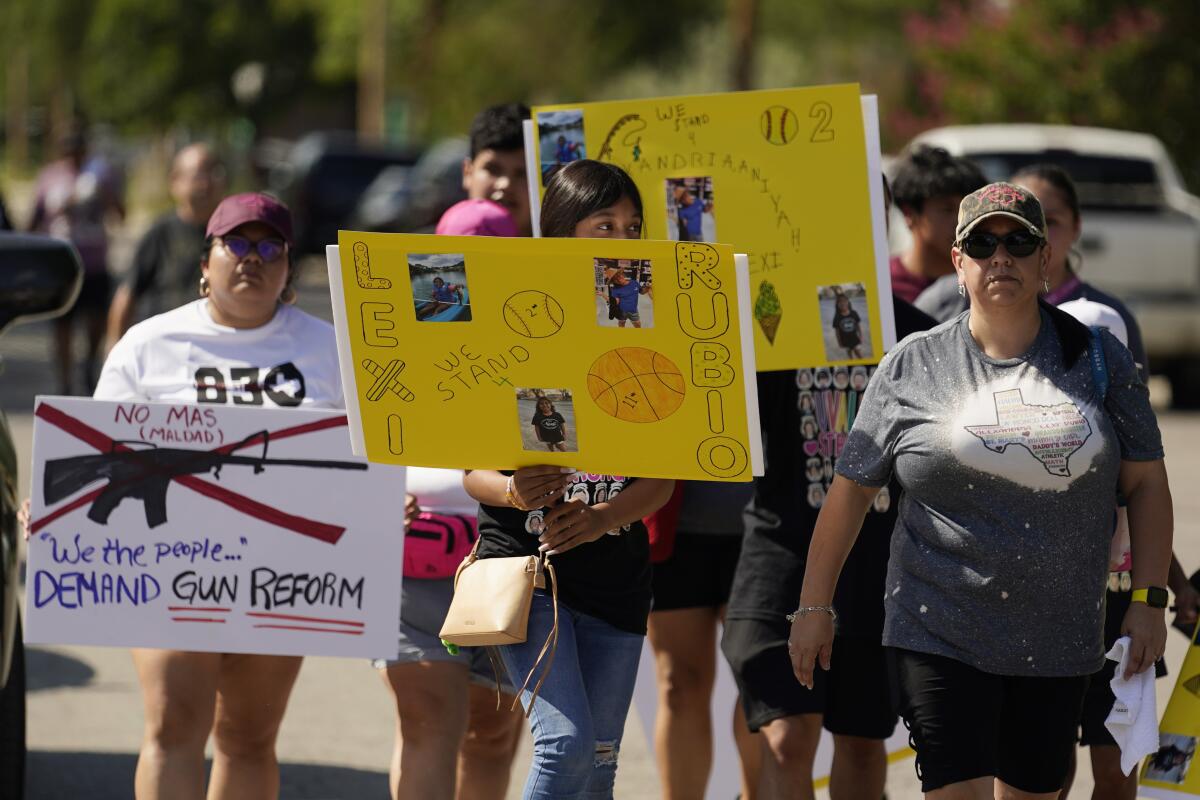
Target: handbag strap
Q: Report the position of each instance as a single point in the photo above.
(548, 649)
(468, 561)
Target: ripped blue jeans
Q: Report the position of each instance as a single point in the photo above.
(579, 715)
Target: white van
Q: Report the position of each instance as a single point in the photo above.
(1141, 227)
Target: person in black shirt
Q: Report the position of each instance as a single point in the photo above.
(848, 326)
(591, 527)
(165, 263)
(549, 425)
(805, 417)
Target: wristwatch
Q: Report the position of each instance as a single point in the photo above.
(1153, 596)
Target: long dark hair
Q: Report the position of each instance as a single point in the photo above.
(579, 190)
(1057, 177)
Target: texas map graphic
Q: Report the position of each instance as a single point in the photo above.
(1051, 434)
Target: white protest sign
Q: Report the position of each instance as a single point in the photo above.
(216, 528)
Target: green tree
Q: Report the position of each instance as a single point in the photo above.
(1107, 63)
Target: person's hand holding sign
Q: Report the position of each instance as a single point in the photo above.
(538, 487)
(573, 523)
(412, 510)
(567, 524)
(25, 518)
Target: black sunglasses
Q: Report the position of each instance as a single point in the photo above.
(240, 247)
(1018, 244)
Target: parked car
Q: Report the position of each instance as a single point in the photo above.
(413, 199)
(1141, 227)
(324, 179)
(39, 277)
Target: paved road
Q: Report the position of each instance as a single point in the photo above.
(85, 713)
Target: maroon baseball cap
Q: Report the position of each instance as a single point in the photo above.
(238, 209)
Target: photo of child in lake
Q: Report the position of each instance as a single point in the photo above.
(845, 322)
(624, 293)
(690, 210)
(547, 420)
(560, 140)
(1173, 759)
(439, 287)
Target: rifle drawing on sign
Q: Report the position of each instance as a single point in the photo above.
(145, 474)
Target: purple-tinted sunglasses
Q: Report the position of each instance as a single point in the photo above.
(268, 249)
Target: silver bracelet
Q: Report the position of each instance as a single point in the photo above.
(800, 612)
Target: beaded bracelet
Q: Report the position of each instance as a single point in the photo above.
(800, 612)
(510, 496)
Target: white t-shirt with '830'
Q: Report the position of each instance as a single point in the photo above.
(184, 356)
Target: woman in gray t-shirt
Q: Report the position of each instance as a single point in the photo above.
(1010, 449)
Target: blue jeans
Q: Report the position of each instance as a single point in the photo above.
(579, 715)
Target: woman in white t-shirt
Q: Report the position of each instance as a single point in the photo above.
(242, 343)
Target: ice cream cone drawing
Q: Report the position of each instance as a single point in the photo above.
(767, 310)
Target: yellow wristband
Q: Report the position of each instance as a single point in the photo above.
(1153, 596)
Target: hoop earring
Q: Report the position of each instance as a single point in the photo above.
(962, 290)
(288, 295)
(204, 287)
(1045, 286)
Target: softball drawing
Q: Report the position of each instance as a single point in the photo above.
(779, 124)
(533, 314)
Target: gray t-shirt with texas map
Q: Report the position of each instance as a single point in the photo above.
(1000, 552)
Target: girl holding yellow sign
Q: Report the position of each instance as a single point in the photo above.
(598, 544)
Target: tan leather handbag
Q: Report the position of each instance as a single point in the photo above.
(491, 602)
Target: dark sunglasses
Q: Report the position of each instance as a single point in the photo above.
(268, 249)
(1018, 244)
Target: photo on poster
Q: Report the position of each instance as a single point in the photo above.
(560, 140)
(1170, 764)
(624, 293)
(547, 420)
(439, 287)
(845, 322)
(690, 210)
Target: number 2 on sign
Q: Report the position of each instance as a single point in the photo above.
(823, 113)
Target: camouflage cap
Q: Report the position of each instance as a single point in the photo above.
(1003, 200)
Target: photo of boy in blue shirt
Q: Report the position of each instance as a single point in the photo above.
(626, 291)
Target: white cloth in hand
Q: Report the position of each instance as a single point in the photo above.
(1133, 721)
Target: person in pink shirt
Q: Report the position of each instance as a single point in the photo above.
(73, 201)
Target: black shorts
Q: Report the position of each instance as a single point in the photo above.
(965, 723)
(1098, 701)
(854, 697)
(93, 295)
(699, 573)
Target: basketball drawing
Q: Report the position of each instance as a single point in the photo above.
(636, 384)
(533, 314)
(779, 124)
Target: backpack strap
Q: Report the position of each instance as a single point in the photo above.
(1099, 364)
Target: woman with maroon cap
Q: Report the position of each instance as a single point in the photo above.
(244, 343)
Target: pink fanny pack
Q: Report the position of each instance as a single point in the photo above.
(437, 543)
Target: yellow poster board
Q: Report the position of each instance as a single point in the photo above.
(1173, 773)
(618, 357)
(789, 176)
